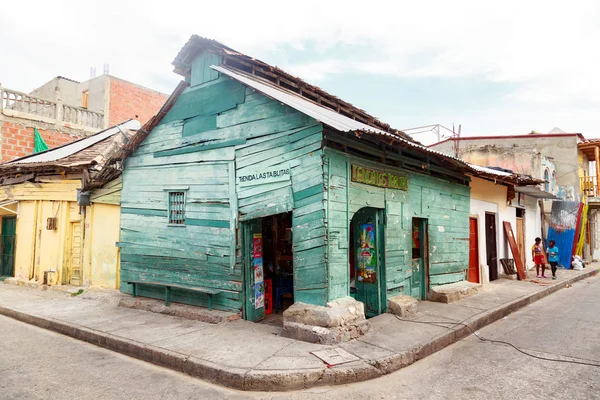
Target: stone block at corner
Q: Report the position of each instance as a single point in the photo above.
(309, 314)
(321, 335)
(342, 320)
(403, 306)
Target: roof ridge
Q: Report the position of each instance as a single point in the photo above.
(244, 63)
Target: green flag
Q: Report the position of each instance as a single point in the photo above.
(38, 142)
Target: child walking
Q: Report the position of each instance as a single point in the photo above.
(553, 257)
(537, 253)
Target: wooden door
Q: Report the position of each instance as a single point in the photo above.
(521, 238)
(254, 288)
(491, 245)
(76, 253)
(368, 249)
(420, 260)
(9, 227)
(473, 275)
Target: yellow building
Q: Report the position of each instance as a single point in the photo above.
(60, 212)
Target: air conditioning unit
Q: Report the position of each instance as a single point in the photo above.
(51, 224)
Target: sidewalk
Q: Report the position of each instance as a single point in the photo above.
(250, 356)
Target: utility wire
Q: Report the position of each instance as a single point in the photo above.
(439, 324)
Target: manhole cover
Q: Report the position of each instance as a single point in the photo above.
(334, 356)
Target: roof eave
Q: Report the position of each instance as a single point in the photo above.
(191, 48)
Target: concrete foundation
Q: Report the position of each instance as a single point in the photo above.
(178, 310)
(453, 291)
(342, 320)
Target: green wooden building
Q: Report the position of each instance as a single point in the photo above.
(264, 189)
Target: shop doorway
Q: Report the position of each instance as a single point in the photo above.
(9, 228)
(420, 259)
(473, 275)
(268, 266)
(491, 246)
(367, 283)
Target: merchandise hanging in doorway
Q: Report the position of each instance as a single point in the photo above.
(259, 286)
(367, 258)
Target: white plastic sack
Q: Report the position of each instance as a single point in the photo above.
(577, 265)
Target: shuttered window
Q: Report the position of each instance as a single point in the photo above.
(85, 97)
(177, 208)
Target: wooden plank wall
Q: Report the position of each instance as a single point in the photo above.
(444, 204)
(214, 127)
(51, 189)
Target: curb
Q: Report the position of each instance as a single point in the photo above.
(284, 380)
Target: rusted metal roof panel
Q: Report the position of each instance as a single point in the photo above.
(75, 147)
(244, 63)
(318, 112)
(325, 115)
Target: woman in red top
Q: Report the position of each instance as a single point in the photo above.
(537, 253)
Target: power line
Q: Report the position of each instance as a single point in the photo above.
(441, 325)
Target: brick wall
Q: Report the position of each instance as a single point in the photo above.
(130, 101)
(17, 139)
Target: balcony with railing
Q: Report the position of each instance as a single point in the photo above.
(589, 186)
(18, 104)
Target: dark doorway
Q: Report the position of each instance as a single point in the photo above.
(9, 228)
(491, 246)
(420, 259)
(269, 269)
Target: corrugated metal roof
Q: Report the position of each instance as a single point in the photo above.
(490, 171)
(277, 77)
(511, 137)
(77, 146)
(322, 114)
(314, 110)
(536, 192)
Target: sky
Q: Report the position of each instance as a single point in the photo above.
(494, 68)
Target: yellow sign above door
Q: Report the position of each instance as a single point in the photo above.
(373, 177)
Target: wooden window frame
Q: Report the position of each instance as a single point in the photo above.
(85, 98)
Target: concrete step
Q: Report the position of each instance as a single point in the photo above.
(453, 291)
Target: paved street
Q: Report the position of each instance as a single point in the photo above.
(35, 363)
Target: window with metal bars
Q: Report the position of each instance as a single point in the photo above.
(176, 208)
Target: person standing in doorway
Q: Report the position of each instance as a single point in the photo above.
(537, 253)
(553, 257)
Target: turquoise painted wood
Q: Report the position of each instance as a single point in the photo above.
(217, 131)
(201, 71)
(217, 134)
(444, 204)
